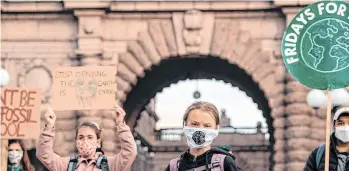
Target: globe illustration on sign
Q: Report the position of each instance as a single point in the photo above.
(325, 45)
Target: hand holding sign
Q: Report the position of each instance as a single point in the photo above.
(50, 118)
(119, 115)
(315, 50)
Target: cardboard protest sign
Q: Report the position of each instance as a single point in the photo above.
(20, 113)
(84, 88)
(315, 45)
(4, 154)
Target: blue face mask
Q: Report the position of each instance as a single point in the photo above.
(199, 137)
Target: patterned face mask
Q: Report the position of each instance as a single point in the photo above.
(199, 137)
(86, 148)
(15, 157)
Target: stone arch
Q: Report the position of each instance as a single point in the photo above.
(174, 69)
(199, 35)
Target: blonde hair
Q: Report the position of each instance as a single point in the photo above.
(204, 106)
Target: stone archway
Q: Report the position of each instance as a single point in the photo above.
(246, 34)
(174, 69)
(197, 34)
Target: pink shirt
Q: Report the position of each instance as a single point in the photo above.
(120, 162)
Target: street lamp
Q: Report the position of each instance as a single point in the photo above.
(4, 77)
(151, 154)
(340, 97)
(318, 99)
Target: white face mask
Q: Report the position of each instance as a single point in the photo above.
(199, 137)
(342, 133)
(15, 157)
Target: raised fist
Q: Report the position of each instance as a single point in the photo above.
(119, 115)
(50, 117)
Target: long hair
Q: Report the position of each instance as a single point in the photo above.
(25, 162)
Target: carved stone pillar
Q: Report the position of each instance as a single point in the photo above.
(299, 115)
(90, 51)
(90, 36)
(138, 164)
(298, 133)
(150, 161)
(193, 31)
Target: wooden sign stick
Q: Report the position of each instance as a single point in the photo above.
(328, 130)
(4, 148)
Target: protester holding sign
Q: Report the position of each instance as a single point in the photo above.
(315, 52)
(18, 159)
(201, 127)
(339, 146)
(88, 140)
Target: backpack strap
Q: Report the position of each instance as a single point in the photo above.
(174, 164)
(319, 155)
(217, 159)
(72, 163)
(102, 163)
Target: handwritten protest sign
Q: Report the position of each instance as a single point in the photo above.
(4, 153)
(84, 88)
(20, 113)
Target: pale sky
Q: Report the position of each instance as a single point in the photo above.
(172, 102)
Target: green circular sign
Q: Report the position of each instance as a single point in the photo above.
(315, 45)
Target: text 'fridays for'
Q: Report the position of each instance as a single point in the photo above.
(290, 40)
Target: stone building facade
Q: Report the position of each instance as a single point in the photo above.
(138, 37)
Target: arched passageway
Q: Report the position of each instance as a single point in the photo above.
(174, 69)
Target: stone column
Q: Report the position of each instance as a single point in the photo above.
(298, 125)
(151, 161)
(144, 164)
(276, 98)
(139, 163)
(90, 36)
(90, 51)
(299, 115)
(136, 164)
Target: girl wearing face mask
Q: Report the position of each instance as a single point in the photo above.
(201, 127)
(88, 143)
(18, 159)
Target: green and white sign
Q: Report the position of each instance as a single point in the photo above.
(315, 45)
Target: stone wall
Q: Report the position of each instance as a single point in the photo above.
(38, 36)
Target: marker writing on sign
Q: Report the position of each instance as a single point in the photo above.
(16, 111)
(87, 84)
(292, 38)
(86, 74)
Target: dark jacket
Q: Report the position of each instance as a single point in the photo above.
(311, 163)
(188, 161)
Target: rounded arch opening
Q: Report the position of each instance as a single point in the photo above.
(174, 69)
